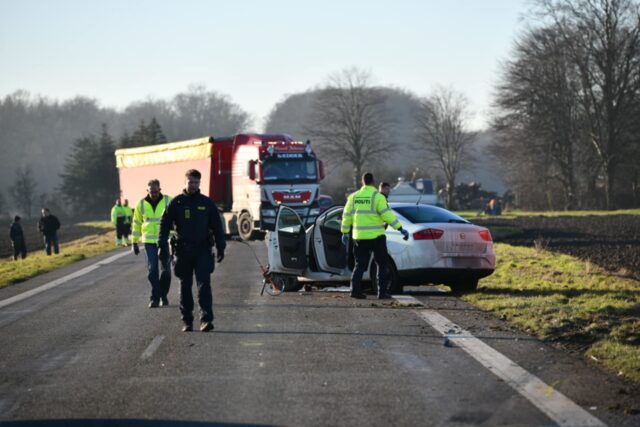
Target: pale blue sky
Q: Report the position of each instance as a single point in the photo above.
(254, 51)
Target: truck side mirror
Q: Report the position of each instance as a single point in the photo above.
(251, 170)
(321, 169)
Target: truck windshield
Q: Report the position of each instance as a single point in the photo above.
(289, 170)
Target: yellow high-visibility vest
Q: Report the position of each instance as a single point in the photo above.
(146, 220)
(366, 212)
(128, 214)
(117, 211)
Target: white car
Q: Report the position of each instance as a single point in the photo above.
(443, 248)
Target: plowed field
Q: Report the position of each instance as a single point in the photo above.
(612, 242)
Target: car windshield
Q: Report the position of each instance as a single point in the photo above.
(289, 170)
(423, 213)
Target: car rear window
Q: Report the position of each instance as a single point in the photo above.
(422, 213)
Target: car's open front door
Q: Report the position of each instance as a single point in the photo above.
(287, 252)
(331, 254)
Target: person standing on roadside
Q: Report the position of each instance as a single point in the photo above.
(117, 218)
(17, 239)
(49, 226)
(146, 229)
(128, 219)
(198, 228)
(366, 213)
(385, 189)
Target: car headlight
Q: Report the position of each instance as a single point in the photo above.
(314, 212)
(268, 212)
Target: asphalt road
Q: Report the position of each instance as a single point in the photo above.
(88, 351)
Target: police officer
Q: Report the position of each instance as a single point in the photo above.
(196, 218)
(385, 189)
(366, 213)
(146, 228)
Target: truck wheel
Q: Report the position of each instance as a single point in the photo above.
(245, 226)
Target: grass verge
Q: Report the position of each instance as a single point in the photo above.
(510, 214)
(38, 262)
(564, 300)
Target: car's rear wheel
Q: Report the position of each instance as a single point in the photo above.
(464, 286)
(393, 281)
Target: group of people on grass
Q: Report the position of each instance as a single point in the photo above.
(48, 226)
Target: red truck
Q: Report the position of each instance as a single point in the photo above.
(247, 175)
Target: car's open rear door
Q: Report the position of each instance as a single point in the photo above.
(286, 251)
(331, 254)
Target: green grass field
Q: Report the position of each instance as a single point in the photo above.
(561, 299)
(38, 262)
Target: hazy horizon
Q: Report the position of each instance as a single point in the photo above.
(255, 53)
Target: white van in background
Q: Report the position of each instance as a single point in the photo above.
(419, 191)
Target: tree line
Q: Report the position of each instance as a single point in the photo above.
(61, 154)
(568, 107)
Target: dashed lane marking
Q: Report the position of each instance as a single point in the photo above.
(555, 405)
(61, 280)
(155, 343)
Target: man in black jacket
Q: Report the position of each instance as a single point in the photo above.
(49, 226)
(198, 227)
(17, 239)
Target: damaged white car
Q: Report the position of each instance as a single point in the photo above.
(443, 248)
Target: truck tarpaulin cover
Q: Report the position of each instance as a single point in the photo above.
(164, 153)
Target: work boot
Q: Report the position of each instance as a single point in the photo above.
(359, 295)
(385, 296)
(153, 303)
(206, 326)
(188, 327)
(165, 301)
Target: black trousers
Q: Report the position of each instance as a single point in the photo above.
(362, 252)
(198, 261)
(19, 248)
(120, 228)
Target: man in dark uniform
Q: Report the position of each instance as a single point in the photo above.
(196, 219)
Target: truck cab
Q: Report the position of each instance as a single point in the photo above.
(258, 173)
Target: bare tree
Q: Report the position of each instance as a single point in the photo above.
(443, 130)
(604, 41)
(200, 112)
(538, 115)
(23, 191)
(349, 120)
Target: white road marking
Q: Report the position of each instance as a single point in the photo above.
(555, 405)
(61, 280)
(407, 300)
(155, 343)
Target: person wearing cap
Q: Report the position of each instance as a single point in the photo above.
(17, 239)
